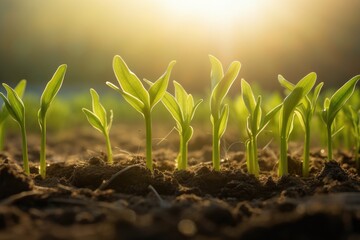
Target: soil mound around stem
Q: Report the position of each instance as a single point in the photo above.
(13, 180)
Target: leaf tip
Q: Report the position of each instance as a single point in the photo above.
(63, 66)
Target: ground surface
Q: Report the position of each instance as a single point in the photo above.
(84, 198)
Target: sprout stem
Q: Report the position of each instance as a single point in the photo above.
(216, 147)
(255, 163)
(329, 136)
(306, 155)
(149, 163)
(108, 148)
(182, 158)
(42, 169)
(283, 165)
(24, 149)
(248, 157)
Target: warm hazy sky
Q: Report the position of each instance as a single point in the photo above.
(267, 37)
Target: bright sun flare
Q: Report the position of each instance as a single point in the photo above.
(219, 11)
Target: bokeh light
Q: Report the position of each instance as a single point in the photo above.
(267, 37)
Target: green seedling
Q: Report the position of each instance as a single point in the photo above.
(98, 119)
(221, 84)
(299, 91)
(354, 117)
(256, 123)
(139, 98)
(16, 109)
(47, 97)
(4, 113)
(182, 108)
(305, 112)
(333, 105)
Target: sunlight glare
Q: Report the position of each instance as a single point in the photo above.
(219, 11)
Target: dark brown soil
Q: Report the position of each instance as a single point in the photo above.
(85, 198)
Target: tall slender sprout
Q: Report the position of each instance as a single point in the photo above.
(16, 109)
(4, 113)
(300, 90)
(98, 119)
(256, 123)
(221, 84)
(139, 98)
(305, 112)
(50, 92)
(333, 105)
(182, 108)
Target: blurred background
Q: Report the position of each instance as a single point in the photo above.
(268, 37)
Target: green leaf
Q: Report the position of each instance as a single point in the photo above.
(195, 107)
(94, 120)
(271, 114)
(6, 106)
(248, 126)
(248, 96)
(97, 108)
(158, 89)
(307, 82)
(325, 112)
(173, 107)
(133, 101)
(267, 118)
(188, 133)
(20, 90)
(290, 127)
(14, 104)
(334, 133)
(189, 107)
(223, 120)
(222, 88)
(181, 97)
(285, 83)
(290, 86)
(256, 117)
(316, 96)
(217, 72)
(340, 97)
(129, 82)
(301, 89)
(290, 103)
(51, 89)
(301, 119)
(182, 112)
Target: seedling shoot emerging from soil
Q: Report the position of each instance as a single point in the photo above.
(50, 92)
(182, 109)
(220, 84)
(333, 105)
(98, 119)
(305, 112)
(16, 109)
(4, 114)
(300, 90)
(256, 123)
(134, 92)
